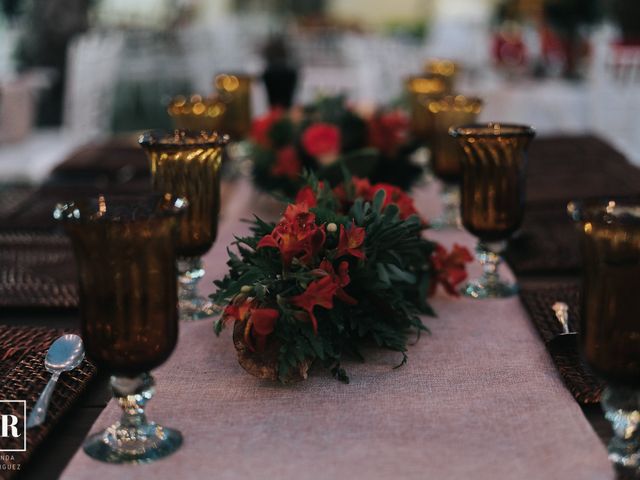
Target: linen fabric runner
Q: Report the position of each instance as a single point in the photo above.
(479, 398)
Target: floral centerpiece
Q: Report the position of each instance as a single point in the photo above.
(343, 266)
(325, 136)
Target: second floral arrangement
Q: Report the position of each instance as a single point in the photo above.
(326, 136)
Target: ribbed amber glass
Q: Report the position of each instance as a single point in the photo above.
(420, 91)
(197, 113)
(188, 164)
(444, 113)
(447, 69)
(492, 189)
(125, 248)
(610, 320)
(235, 91)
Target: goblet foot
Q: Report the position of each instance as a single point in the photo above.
(197, 308)
(450, 216)
(489, 285)
(192, 306)
(622, 408)
(497, 289)
(143, 444)
(133, 439)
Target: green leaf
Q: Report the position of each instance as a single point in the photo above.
(383, 275)
(378, 200)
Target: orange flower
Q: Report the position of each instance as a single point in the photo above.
(340, 278)
(449, 269)
(296, 236)
(260, 321)
(287, 163)
(321, 139)
(318, 293)
(351, 240)
(263, 322)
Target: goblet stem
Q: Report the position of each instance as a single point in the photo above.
(622, 408)
(489, 285)
(191, 305)
(450, 216)
(133, 439)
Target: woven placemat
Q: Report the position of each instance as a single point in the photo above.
(562, 169)
(547, 243)
(12, 196)
(23, 376)
(37, 270)
(584, 385)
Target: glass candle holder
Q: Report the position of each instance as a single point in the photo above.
(235, 91)
(492, 204)
(446, 154)
(187, 164)
(420, 90)
(197, 113)
(610, 320)
(125, 248)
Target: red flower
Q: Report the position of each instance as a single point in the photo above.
(321, 139)
(319, 292)
(261, 127)
(287, 163)
(297, 235)
(340, 278)
(351, 241)
(307, 196)
(361, 188)
(387, 131)
(449, 268)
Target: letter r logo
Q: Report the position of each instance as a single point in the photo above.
(13, 426)
(9, 426)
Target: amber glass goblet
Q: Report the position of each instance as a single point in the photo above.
(197, 113)
(492, 205)
(235, 91)
(420, 90)
(125, 252)
(446, 154)
(187, 164)
(610, 320)
(447, 69)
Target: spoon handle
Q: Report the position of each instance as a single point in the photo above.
(561, 310)
(39, 412)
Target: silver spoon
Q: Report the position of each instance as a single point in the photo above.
(65, 354)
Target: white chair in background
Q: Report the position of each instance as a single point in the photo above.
(93, 61)
(614, 94)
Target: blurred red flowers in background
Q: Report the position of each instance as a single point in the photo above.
(322, 139)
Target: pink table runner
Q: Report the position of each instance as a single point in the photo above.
(480, 398)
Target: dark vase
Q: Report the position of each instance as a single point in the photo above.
(280, 82)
